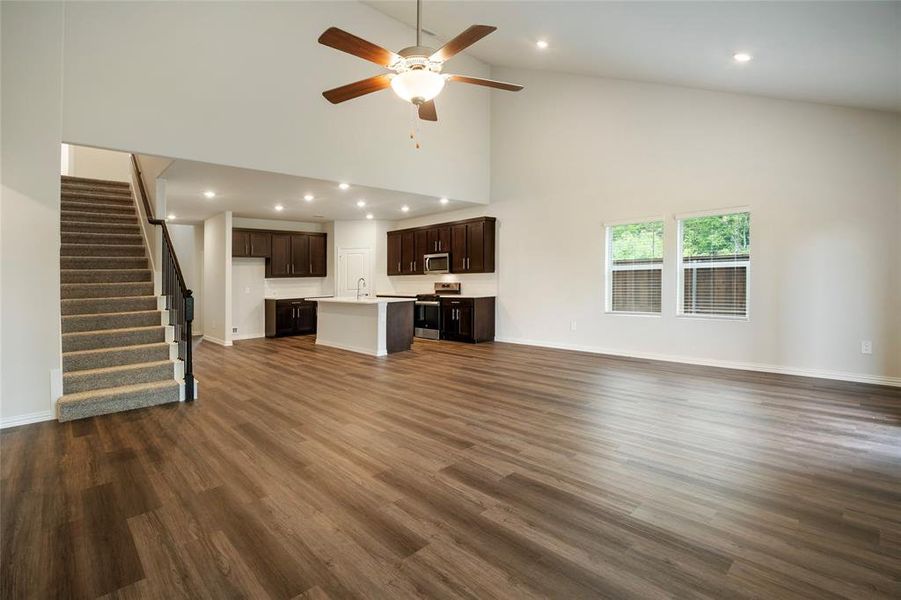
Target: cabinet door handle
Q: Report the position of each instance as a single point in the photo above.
(311, 267)
(251, 246)
(398, 266)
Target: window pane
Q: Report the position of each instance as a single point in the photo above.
(716, 253)
(722, 235)
(635, 267)
(637, 242)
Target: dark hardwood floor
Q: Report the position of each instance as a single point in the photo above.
(489, 471)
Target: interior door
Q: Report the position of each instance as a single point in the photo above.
(300, 254)
(475, 247)
(394, 254)
(353, 263)
(458, 248)
(280, 260)
(317, 255)
(407, 252)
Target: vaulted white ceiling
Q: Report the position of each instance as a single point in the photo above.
(844, 53)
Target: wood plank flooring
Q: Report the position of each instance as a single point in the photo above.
(456, 471)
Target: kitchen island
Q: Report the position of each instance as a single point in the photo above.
(374, 326)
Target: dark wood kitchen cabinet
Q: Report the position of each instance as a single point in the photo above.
(470, 243)
(395, 255)
(297, 255)
(251, 243)
(290, 316)
(467, 319)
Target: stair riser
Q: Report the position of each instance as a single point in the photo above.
(70, 291)
(123, 239)
(105, 275)
(98, 197)
(101, 358)
(108, 305)
(113, 228)
(117, 403)
(98, 207)
(94, 262)
(76, 323)
(100, 250)
(87, 216)
(89, 181)
(78, 382)
(94, 340)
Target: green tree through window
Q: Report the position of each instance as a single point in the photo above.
(638, 241)
(720, 235)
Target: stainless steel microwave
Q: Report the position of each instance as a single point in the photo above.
(437, 263)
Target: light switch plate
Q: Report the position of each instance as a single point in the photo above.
(866, 347)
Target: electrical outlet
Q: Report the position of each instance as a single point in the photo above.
(234, 330)
(572, 325)
(247, 290)
(866, 347)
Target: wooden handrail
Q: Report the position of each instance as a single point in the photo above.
(159, 222)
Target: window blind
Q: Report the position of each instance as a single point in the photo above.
(634, 267)
(715, 259)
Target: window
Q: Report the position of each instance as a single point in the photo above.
(714, 264)
(634, 265)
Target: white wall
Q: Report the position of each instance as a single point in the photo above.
(240, 83)
(187, 240)
(97, 163)
(571, 153)
(217, 277)
(29, 210)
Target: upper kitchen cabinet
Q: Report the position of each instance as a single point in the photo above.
(287, 253)
(395, 254)
(251, 243)
(470, 244)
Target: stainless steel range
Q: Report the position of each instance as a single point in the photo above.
(427, 310)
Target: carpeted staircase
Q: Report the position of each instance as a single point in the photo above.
(117, 350)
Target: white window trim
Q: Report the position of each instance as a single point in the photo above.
(608, 266)
(680, 270)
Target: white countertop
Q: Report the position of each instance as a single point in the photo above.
(364, 300)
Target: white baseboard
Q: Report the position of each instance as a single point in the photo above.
(248, 336)
(709, 362)
(357, 349)
(215, 340)
(35, 417)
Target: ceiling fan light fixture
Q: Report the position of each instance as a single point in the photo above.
(417, 85)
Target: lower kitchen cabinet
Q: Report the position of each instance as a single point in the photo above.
(290, 316)
(467, 319)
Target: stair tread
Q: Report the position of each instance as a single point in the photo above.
(112, 331)
(116, 349)
(76, 179)
(106, 298)
(117, 369)
(114, 391)
(89, 284)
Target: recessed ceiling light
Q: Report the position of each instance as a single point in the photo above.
(542, 44)
(369, 216)
(279, 207)
(742, 57)
(361, 203)
(444, 201)
(308, 197)
(405, 208)
(209, 194)
(170, 217)
(344, 186)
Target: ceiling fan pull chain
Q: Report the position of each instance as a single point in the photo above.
(414, 125)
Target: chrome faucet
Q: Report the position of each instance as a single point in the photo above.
(359, 281)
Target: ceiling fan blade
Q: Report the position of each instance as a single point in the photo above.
(357, 89)
(501, 85)
(462, 41)
(348, 42)
(427, 111)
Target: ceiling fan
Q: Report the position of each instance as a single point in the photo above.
(416, 76)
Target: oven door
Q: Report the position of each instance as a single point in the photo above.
(437, 263)
(427, 319)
